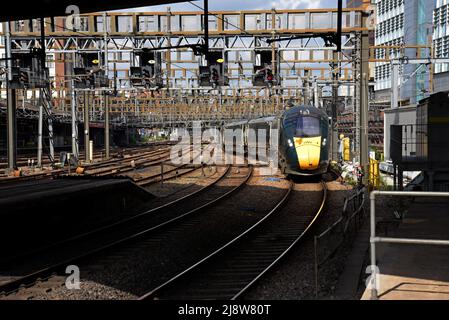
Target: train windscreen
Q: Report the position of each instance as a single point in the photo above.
(308, 127)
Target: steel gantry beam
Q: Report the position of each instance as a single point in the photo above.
(11, 106)
(310, 59)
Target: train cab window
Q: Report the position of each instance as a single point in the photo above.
(307, 127)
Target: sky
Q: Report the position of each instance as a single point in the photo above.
(246, 5)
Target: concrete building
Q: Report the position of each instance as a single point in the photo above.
(441, 44)
(404, 23)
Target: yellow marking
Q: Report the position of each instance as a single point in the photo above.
(346, 149)
(439, 120)
(309, 152)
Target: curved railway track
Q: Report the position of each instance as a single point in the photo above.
(98, 153)
(231, 270)
(103, 168)
(131, 229)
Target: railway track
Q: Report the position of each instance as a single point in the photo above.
(98, 154)
(131, 166)
(173, 172)
(234, 268)
(103, 168)
(120, 166)
(135, 228)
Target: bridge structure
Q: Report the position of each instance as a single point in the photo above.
(306, 67)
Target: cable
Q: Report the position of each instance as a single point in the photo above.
(244, 31)
(282, 60)
(218, 17)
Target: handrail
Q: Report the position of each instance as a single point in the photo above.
(358, 201)
(374, 239)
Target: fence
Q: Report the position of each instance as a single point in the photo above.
(327, 243)
(374, 280)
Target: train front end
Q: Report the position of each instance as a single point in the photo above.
(304, 142)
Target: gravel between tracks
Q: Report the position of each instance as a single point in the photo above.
(132, 271)
(293, 278)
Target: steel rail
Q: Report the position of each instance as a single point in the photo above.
(238, 240)
(300, 237)
(47, 272)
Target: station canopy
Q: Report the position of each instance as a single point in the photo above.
(54, 8)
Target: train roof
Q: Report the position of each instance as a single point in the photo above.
(253, 121)
(297, 110)
(236, 124)
(262, 120)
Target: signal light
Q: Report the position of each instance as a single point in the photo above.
(24, 78)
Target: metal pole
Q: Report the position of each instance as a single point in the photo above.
(206, 30)
(43, 95)
(43, 57)
(335, 76)
(91, 151)
(395, 85)
(86, 126)
(273, 44)
(356, 97)
(306, 89)
(106, 126)
(339, 24)
(75, 146)
(11, 105)
(39, 135)
(364, 108)
(106, 98)
(374, 293)
(364, 130)
(168, 52)
(115, 79)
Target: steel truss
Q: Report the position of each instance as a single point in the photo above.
(302, 62)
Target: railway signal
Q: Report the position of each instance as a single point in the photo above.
(89, 74)
(27, 71)
(264, 71)
(148, 72)
(213, 72)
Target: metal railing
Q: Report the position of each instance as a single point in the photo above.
(327, 243)
(374, 239)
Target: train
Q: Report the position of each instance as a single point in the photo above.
(303, 133)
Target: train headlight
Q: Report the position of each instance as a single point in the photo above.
(290, 143)
(324, 142)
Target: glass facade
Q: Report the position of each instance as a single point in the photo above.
(422, 39)
(441, 34)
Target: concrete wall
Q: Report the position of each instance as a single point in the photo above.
(383, 95)
(441, 82)
(400, 116)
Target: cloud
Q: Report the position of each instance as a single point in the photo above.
(246, 5)
(296, 4)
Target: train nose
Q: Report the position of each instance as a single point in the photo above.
(308, 151)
